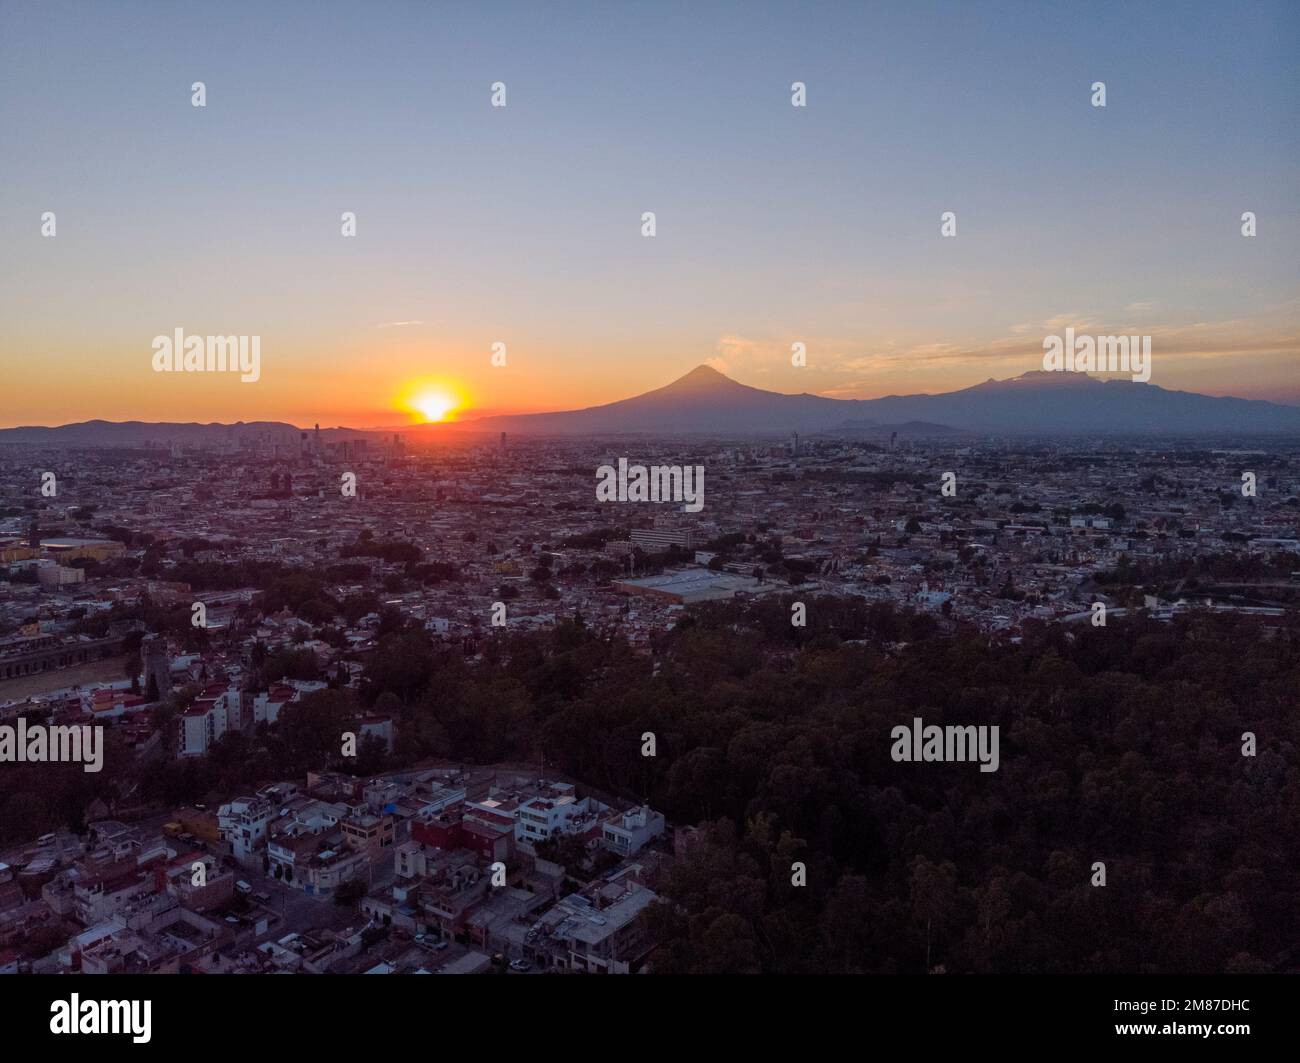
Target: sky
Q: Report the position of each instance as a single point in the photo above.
(522, 224)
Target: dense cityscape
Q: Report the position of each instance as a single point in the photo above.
(228, 610)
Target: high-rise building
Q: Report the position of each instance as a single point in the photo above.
(660, 538)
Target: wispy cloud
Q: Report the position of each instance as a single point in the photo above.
(1202, 340)
(1078, 321)
(737, 353)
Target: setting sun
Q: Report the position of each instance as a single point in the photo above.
(431, 401)
(434, 406)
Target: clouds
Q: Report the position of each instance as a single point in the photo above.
(869, 367)
(1071, 320)
(739, 354)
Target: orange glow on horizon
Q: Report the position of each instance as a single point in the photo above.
(434, 407)
(431, 401)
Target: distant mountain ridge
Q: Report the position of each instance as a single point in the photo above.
(705, 402)
(160, 433)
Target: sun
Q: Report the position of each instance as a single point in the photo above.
(431, 400)
(433, 405)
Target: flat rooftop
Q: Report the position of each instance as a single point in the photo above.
(692, 584)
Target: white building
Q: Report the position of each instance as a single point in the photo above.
(629, 832)
(243, 824)
(557, 808)
(207, 720)
(267, 705)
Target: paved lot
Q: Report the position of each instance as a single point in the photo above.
(107, 669)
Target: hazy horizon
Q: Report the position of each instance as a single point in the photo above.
(722, 391)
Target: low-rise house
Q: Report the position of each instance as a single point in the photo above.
(629, 832)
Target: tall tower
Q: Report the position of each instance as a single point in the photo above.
(157, 664)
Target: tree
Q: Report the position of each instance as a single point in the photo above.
(310, 731)
(350, 891)
(567, 850)
(933, 889)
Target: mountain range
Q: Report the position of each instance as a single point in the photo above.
(161, 433)
(705, 401)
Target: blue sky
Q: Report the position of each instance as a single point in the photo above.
(775, 224)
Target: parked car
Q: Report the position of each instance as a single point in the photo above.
(521, 965)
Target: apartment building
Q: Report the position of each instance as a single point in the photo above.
(600, 933)
(213, 713)
(244, 823)
(546, 809)
(368, 833)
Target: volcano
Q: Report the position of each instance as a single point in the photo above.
(705, 401)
